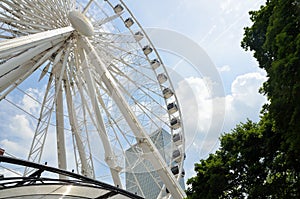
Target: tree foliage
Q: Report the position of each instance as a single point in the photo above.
(275, 40)
(247, 165)
(262, 160)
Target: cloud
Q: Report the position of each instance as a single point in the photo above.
(201, 133)
(196, 106)
(30, 101)
(225, 68)
(245, 88)
(19, 127)
(14, 148)
(226, 5)
(244, 101)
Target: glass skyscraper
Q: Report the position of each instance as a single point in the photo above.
(142, 177)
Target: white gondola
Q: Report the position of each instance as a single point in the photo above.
(129, 22)
(147, 50)
(175, 123)
(118, 9)
(138, 36)
(167, 92)
(177, 139)
(172, 108)
(162, 78)
(155, 63)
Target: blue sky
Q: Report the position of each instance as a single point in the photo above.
(217, 28)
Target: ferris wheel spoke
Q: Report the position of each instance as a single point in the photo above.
(29, 17)
(61, 12)
(5, 36)
(121, 50)
(48, 13)
(116, 71)
(145, 93)
(13, 64)
(16, 77)
(65, 5)
(114, 38)
(106, 20)
(49, 38)
(9, 33)
(10, 20)
(113, 124)
(87, 6)
(84, 104)
(25, 8)
(144, 108)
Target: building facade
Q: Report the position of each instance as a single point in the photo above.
(142, 177)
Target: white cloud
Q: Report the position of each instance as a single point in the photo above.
(225, 68)
(14, 148)
(19, 127)
(245, 88)
(30, 101)
(245, 101)
(226, 5)
(197, 106)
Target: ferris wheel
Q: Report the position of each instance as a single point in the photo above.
(105, 89)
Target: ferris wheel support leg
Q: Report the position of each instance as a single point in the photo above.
(109, 155)
(61, 150)
(40, 134)
(142, 137)
(46, 110)
(86, 170)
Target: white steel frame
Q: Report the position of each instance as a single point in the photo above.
(87, 67)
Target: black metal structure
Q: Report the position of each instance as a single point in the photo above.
(74, 186)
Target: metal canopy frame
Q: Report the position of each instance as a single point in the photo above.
(74, 179)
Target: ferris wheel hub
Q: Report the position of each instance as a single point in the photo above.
(81, 23)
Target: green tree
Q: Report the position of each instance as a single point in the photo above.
(235, 170)
(247, 165)
(263, 160)
(275, 39)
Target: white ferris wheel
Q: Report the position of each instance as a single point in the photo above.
(104, 85)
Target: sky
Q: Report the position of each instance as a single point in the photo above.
(209, 57)
(217, 28)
